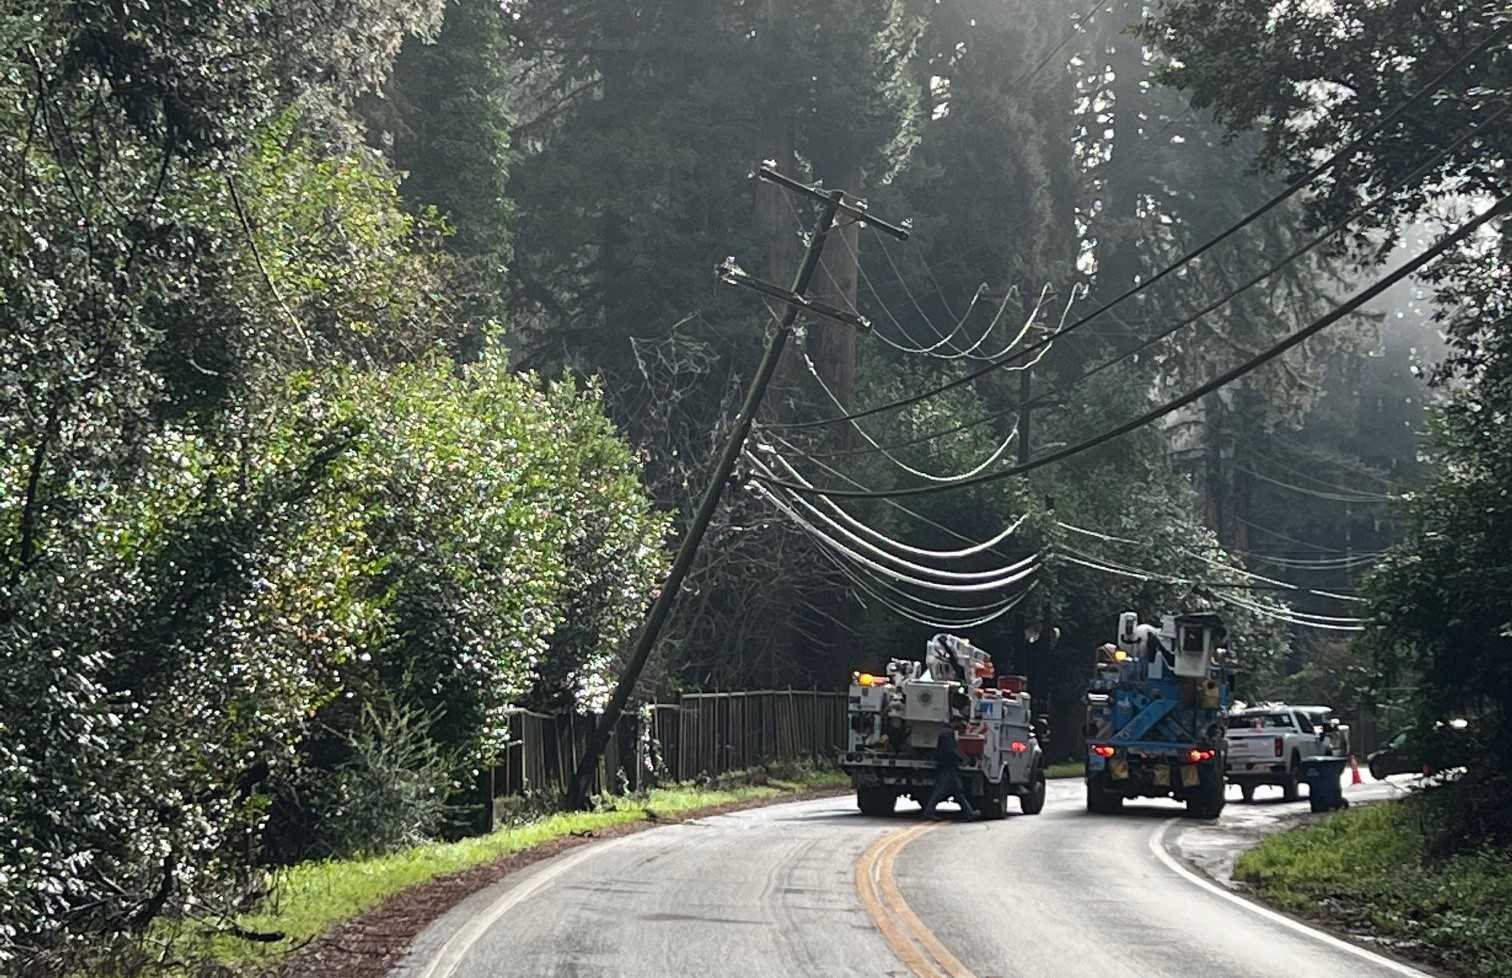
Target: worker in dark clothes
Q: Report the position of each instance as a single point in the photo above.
(948, 784)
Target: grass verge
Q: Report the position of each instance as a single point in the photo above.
(1065, 769)
(312, 898)
(1364, 870)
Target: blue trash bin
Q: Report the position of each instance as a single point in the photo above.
(1324, 777)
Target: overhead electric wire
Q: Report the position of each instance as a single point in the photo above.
(973, 588)
(975, 549)
(991, 458)
(1358, 499)
(1076, 29)
(1001, 610)
(1331, 564)
(1290, 619)
(995, 574)
(973, 609)
(1275, 201)
(956, 352)
(1211, 561)
(1496, 210)
(1352, 466)
(1145, 344)
(1290, 616)
(944, 339)
(1282, 536)
(1298, 473)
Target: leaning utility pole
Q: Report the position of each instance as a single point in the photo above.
(796, 301)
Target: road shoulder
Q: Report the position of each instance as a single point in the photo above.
(397, 936)
(1211, 850)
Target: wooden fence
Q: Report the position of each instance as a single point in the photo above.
(703, 734)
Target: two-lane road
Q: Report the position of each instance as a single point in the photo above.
(815, 889)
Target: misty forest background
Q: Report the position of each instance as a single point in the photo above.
(362, 361)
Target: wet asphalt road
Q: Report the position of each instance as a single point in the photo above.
(775, 892)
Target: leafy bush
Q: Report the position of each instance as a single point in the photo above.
(391, 790)
(371, 537)
(1366, 869)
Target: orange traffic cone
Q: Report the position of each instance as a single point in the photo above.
(1354, 771)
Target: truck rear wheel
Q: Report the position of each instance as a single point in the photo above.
(1208, 802)
(1100, 801)
(995, 798)
(876, 801)
(1033, 802)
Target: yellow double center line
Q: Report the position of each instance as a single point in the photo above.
(913, 943)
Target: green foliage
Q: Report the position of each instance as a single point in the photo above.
(1272, 70)
(391, 790)
(400, 536)
(1312, 79)
(1364, 869)
(443, 121)
(517, 512)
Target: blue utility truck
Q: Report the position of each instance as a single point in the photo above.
(1155, 715)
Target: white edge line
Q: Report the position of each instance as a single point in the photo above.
(444, 963)
(1157, 846)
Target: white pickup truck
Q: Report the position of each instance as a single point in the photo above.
(1266, 745)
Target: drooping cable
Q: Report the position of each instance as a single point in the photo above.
(855, 557)
(1498, 209)
(1145, 344)
(1357, 499)
(986, 463)
(1308, 477)
(896, 609)
(996, 574)
(1212, 562)
(898, 545)
(1343, 153)
(1291, 616)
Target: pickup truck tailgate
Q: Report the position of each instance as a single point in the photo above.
(1257, 746)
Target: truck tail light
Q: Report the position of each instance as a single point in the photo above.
(1280, 745)
(1198, 756)
(1103, 750)
(1018, 746)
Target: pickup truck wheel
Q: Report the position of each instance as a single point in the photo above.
(1293, 772)
(1033, 802)
(1248, 791)
(876, 801)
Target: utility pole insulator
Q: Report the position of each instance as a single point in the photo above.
(732, 274)
(857, 210)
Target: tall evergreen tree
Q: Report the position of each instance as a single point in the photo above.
(443, 120)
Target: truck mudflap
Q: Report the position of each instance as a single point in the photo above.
(1180, 772)
(913, 774)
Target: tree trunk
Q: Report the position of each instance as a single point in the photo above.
(1118, 261)
(1212, 473)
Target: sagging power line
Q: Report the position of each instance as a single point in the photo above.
(1411, 267)
(1285, 194)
